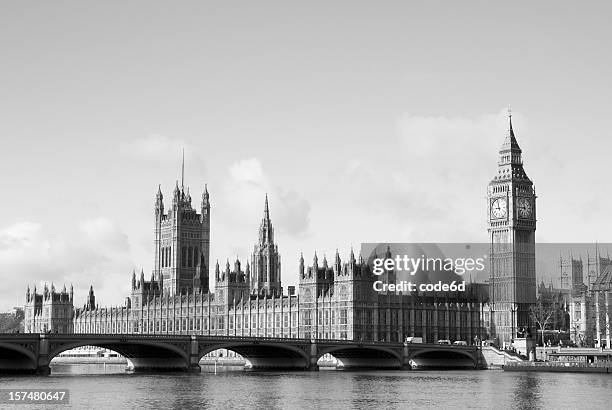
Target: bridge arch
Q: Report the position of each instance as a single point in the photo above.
(363, 356)
(263, 354)
(443, 358)
(142, 354)
(15, 357)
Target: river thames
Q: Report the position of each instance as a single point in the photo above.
(104, 387)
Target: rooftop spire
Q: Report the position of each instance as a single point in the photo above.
(183, 170)
(510, 130)
(266, 209)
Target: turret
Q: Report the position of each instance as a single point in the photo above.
(71, 293)
(301, 265)
(91, 299)
(337, 264)
(205, 198)
(159, 202)
(176, 197)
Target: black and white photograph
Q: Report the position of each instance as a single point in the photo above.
(305, 204)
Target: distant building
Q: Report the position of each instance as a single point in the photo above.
(49, 312)
(557, 300)
(590, 307)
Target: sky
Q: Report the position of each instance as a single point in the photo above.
(363, 121)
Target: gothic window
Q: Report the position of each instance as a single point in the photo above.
(196, 257)
(343, 316)
(183, 257)
(190, 256)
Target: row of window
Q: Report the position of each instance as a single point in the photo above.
(189, 256)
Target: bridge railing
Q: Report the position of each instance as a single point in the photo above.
(159, 336)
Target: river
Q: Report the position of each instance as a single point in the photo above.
(109, 387)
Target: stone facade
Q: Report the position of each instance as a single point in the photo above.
(334, 301)
(49, 312)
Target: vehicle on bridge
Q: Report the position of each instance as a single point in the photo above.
(460, 343)
(444, 342)
(414, 339)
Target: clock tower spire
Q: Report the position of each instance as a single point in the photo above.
(511, 227)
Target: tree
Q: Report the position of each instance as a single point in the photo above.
(541, 315)
(11, 322)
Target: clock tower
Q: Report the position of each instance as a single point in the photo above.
(511, 226)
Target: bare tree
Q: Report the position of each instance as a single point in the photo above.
(541, 315)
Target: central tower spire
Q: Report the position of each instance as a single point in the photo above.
(265, 261)
(183, 170)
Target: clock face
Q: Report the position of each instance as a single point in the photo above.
(499, 207)
(524, 207)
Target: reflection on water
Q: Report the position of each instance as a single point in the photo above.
(527, 391)
(109, 386)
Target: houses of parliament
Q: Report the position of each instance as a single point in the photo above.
(334, 298)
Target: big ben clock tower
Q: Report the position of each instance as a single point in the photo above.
(511, 226)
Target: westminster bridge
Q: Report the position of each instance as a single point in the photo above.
(33, 352)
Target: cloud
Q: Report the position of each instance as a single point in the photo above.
(248, 171)
(96, 253)
(238, 207)
(426, 184)
(157, 148)
(105, 233)
(247, 188)
(292, 212)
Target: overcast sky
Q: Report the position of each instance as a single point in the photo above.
(364, 122)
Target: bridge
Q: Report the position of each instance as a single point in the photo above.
(33, 352)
